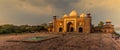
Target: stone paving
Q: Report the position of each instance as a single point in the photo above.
(69, 41)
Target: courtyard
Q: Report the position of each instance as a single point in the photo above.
(60, 41)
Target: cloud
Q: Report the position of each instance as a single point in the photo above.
(106, 4)
(41, 11)
(34, 8)
(100, 9)
(51, 6)
(17, 12)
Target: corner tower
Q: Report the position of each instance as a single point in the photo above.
(89, 23)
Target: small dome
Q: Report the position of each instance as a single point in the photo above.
(73, 13)
(65, 15)
(50, 22)
(108, 21)
(83, 15)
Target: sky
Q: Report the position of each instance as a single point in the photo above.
(35, 12)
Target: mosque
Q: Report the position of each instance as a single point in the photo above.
(76, 23)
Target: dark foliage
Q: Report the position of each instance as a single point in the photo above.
(9, 28)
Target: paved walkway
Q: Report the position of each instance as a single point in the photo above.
(70, 41)
(117, 41)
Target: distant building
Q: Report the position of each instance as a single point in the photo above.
(108, 27)
(75, 23)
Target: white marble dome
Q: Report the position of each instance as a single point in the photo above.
(73, 13)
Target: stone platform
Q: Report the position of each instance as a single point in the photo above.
(69, 41)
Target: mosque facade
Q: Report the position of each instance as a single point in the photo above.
(73, 23)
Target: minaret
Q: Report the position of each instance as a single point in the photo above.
(54, 23)
(89, 16)
(89, 22)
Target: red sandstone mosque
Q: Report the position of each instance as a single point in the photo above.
(77, 23)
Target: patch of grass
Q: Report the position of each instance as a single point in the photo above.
(37, 38)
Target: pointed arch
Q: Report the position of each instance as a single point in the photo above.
(60, 29)
(80, 29)
(69, 28)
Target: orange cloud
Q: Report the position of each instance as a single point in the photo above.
(106, 4)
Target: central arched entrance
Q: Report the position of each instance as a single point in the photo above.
(80, 29)
(69, 27)
(60, 29)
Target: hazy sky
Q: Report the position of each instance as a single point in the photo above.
(41, 11)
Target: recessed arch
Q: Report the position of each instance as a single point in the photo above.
(80, 29)
(69, 28)
(60, 29)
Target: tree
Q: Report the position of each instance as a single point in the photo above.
(101, 23)
(44, 25)
(25, 28)
(8, 28)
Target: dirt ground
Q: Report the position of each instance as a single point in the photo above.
(4, 38)
(69, 41)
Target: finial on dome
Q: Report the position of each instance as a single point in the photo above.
(73, 13)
